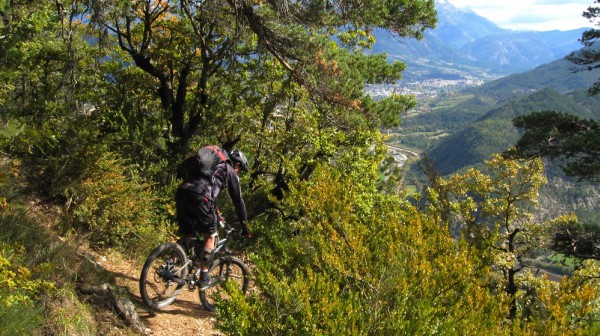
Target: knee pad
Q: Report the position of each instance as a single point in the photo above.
(206, 254)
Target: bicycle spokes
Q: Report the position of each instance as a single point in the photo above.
(224, 271)
(163, 275)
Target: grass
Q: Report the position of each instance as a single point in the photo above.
(38, 270)
(411, 189)
(20, 319)
(564, 260)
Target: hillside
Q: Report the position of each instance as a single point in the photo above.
(452, 112)
(493, 132)
(107, 98)
(464, 128)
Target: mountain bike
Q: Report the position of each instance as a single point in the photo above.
(171, 267)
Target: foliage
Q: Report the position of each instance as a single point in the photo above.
(370, 265)
(493, 210)
(574, 238)
(118, 210)
(22, 283)
(67, 315)
(102, 193)
(565, 138)
(572, 142)
(588, 57)
(152, 79)
(218, 65)
(49, 67)
(20, 291)
(567, 307)
(39, 271)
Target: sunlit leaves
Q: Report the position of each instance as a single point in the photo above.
(370, 264)
(18, 285)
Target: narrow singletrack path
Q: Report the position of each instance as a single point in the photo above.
(186, 316)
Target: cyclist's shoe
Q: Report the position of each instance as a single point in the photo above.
(206, 281)
(245, 232)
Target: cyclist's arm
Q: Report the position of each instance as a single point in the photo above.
(235, 193)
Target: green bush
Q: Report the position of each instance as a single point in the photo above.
(117, 209)
(362, 264)
(103, 194)
(68, 316)
(32, 263)
(20, 292)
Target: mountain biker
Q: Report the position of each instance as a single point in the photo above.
(196, 204)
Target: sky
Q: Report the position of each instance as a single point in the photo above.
(540, 15)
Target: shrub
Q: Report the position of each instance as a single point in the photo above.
(103, 194)
(362, 264)
(20, 291)
(116, 208)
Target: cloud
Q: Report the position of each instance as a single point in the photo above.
(530, 14)
(586, 3)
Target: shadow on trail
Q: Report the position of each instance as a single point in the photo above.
(125, 277)
(187, 304)
(179, 307)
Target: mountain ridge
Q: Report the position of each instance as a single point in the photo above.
(470, 46)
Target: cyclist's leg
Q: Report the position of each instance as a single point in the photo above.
(209, 243)
(186, 219)
(205, 224)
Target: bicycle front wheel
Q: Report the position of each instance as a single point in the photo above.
(222, 271)
(163, 275)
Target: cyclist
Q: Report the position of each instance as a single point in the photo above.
(196, 203)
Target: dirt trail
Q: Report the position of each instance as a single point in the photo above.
(186, 316)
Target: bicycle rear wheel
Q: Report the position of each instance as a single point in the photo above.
(163, 275)
(223, 270)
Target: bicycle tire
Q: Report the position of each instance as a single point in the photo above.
(158, 288)
(218, 270)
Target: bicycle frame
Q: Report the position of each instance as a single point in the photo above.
(172, 266)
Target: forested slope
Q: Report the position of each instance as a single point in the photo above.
(494, 132)
(105, 98)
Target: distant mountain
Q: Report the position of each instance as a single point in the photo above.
(482, 123)
(466, 45)
(459, 27)
(493, 132)
(560, 75)
(513, 51)
(474, 123)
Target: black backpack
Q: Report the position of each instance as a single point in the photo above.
(203, 163)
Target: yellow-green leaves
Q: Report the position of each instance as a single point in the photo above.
(364, 263)
(492, 210)
(17, 284)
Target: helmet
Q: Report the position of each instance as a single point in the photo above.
(239, 157)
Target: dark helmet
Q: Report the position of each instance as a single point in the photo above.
(238, 157)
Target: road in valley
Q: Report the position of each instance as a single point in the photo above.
(400, 154)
